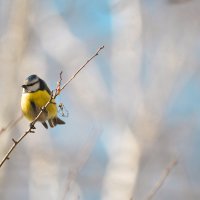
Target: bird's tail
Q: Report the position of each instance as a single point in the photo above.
(45, 125)
(53, 122)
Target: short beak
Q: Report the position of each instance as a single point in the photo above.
(24, 86)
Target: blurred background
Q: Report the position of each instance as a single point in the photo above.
(132, 110)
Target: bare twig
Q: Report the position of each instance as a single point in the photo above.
(96, 54)
(161, 181)
(53, 96)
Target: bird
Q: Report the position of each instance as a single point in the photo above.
(35, 94)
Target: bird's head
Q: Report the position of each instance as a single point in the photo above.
(31, 83)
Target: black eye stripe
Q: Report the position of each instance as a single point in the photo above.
(31, 84)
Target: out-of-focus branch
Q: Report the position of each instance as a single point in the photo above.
(82, 158)
(162, 179)
(53, 96)
(11, 124)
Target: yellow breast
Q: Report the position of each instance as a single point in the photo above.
(39, 98)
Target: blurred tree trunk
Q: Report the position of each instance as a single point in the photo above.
(13, 43)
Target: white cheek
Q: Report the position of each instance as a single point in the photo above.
(34, 87)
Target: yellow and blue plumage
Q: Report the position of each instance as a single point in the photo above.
(34, 96)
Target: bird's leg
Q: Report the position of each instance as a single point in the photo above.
(32, 126)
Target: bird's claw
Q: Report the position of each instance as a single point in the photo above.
(32, 126)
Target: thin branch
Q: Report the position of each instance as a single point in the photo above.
(53, 96)
(163, 178)
(96, 54)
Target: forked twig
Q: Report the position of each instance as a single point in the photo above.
(53, 96)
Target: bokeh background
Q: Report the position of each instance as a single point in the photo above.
(132, 110)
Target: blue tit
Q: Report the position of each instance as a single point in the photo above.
(35, 95)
